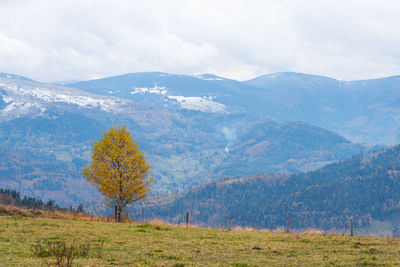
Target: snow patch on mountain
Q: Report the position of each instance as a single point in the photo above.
(80, 100)
(272, 76)
(158, 90)
(208, 78)
(6, 99)
(23, 108)
(114, 92)
(25, 96)
(203, 104)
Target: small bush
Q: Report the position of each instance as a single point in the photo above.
(146, 225)
(170, 257)
(160, 228)
(65, 253)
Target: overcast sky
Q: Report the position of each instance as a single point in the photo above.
(58, 40)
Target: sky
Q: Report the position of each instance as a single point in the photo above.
(56, 40)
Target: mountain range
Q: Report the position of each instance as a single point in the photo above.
(365, 111)
(193, 128)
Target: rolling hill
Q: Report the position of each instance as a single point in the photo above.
(365, 187)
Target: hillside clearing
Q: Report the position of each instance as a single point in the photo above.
(126, 244)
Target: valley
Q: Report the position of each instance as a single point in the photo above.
(198, 131)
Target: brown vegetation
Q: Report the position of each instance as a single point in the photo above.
(7, 210)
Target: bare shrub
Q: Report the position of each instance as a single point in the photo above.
(64, 253)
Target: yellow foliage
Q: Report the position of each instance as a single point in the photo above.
(118, 169)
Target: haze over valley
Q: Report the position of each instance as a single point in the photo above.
(194, 129)
(247, 110)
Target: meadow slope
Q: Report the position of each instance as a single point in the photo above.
(128, 244)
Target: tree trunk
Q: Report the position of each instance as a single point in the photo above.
(119, 213)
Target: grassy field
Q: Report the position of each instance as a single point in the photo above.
(128, 244)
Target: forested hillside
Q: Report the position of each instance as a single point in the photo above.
(47, 130)
(366, 187)
(44, 177)
(13, 198)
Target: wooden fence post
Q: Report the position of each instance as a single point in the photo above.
(230, 222)
(287, 225)
(351, 226)
(187, 219)
(115, 213)
(142, 216)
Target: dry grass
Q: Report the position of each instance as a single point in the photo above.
(6, 210)
(157, 243)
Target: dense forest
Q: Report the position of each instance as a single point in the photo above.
(43, 176)
(365, 187)
(12, 197)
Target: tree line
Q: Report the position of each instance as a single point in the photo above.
(13, 197)
(365, 187)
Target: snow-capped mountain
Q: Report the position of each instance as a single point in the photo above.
(21, 97)
(206, 93)
(192, 128)
(363, 111)
(204, 104)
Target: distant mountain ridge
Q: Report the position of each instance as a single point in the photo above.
(188, 138)
(363, 111)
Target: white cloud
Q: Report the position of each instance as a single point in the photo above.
(62, 40)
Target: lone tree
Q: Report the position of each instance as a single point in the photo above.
(118, 169)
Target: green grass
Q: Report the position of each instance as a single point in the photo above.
(164, 245)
